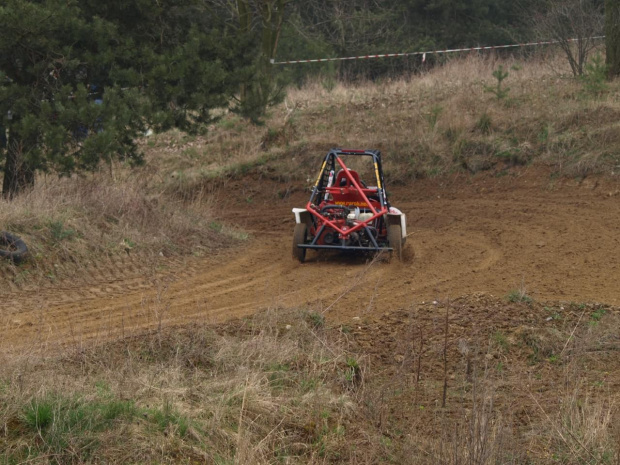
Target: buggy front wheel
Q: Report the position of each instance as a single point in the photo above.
(300, 235)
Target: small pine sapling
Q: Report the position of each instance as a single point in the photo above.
(498, 90)
(594, 79)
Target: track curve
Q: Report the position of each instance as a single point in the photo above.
(556, 242)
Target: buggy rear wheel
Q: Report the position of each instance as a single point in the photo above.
(300, 235)
(395, 240)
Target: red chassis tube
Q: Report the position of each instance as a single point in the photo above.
(345, 232)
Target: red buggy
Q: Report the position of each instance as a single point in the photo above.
(344, 213)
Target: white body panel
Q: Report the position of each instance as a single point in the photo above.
(297, 212)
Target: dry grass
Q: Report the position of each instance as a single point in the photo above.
(441, 121)
(271, 389)
(71, 222)
(431, 124)
(282, 388)
(514, 396)
(444, 120)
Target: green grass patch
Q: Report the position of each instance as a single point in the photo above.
(519, 296)
(68, 428)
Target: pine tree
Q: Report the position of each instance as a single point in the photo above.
(258, 24)
(80, 81)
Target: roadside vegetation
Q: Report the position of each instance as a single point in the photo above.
(72, 223)
(470, 115)
(282, 387)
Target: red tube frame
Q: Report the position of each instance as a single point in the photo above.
(347, 232)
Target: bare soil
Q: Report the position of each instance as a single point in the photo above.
(552, 239)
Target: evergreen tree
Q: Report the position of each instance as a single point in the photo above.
(351, 27)
(258, 24)
(80, 81)
(359, 27)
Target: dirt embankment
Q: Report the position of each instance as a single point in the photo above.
(551, 240)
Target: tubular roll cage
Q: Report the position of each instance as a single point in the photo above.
(332, 161)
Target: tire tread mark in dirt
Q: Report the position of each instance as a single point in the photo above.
(464, 243)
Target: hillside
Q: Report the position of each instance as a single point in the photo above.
(160, 317)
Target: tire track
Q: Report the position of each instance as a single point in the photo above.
(467, 238)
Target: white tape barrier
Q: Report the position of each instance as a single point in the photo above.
(437, 52)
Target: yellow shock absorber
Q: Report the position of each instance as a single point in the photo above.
(320, 173)
(377, 175)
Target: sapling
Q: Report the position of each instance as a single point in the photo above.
(498, 90)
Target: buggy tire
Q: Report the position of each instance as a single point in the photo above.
(12, 247)
(300, 236)
(395, 240)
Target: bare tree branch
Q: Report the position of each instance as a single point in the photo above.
(572, 23)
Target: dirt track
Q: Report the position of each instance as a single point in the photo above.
(557, 241)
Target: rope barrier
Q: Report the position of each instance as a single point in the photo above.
(431, 52)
